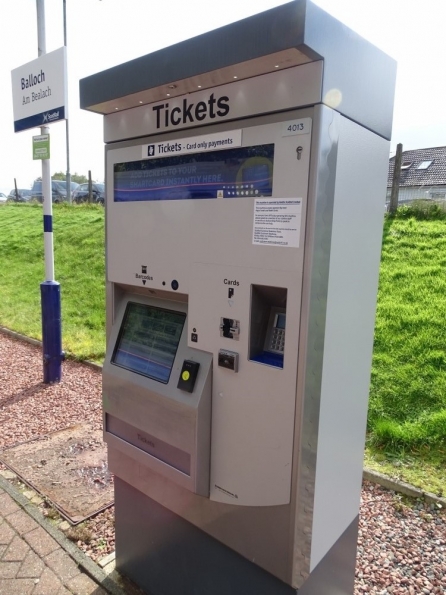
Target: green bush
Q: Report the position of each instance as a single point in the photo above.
(421, 209)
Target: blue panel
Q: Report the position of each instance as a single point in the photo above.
(47, 223)
(42, 119)
(231, 173)
(51, 331)
(270, 359)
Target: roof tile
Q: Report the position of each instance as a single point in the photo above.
(435, 174)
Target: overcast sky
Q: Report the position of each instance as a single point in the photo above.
(103, 33)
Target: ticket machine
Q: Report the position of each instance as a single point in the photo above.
(245, 180)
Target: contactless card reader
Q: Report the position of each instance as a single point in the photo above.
(188, 375)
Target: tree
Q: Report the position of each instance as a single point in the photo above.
(78, 178)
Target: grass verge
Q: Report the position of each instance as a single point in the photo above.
(79, 268)
(407, 409)
(423, 469)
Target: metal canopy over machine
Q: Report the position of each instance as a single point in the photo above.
(245, 177)
(358, 79)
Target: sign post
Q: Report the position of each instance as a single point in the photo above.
(39, 92)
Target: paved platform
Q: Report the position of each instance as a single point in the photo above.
(32, 562)
(36, 558)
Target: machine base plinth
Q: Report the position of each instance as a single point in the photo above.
(166, 555)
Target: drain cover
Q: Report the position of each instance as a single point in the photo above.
(67, 467)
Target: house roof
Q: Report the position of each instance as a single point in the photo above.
(411, 175)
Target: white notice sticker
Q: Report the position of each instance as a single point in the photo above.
(277, 222)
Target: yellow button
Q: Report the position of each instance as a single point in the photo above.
(185, 375)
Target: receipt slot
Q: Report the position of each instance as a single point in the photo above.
(245, 175)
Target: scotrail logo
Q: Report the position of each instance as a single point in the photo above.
(50, 117)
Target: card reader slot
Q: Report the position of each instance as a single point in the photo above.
(164, 452)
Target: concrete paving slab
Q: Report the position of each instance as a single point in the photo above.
(9, 569)
(6, 534)
(83, 585)
(21, 586)
(17, 550)
(22, 522)
(41, 542)
(32, 566)
(48, 583)
(62, 565)
(7, 505)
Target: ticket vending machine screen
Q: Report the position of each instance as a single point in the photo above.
(148, 341)
(227, 173)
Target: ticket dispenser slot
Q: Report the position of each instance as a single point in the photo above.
(267, 325)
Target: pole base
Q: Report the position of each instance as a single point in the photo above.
(51, 332)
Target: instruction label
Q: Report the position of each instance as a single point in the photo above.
(277, 222)
(194, 144)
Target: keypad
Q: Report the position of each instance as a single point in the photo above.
(278, 339)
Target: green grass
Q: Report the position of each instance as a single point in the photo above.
(79, 268)
(407, 411)
(408, 389)
(424, 469)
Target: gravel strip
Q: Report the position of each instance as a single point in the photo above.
(29, 409)
(402, 542)
(401, 545)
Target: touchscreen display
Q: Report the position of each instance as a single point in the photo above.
(148, 341)
(229, 173)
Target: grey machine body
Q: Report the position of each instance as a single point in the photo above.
(240, 309)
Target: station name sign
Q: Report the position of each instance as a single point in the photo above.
(39, 91)
(33, 80)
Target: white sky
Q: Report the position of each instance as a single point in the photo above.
(103, 33)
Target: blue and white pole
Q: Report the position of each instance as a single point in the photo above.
(49, 289)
